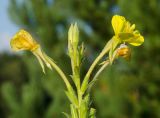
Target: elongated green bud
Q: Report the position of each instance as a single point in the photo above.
(73, 38)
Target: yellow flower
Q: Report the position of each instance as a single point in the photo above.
(24, 41)
(125, 32)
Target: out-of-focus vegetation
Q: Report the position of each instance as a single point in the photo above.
(125, 90)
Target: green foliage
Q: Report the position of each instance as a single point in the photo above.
(124, 90)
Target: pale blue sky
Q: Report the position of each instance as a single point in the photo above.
(7, 27)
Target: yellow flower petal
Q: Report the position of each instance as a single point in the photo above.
(133, 27)
(131, 38)
(136, 41)
(125, 36)
(118, 23)
(23, 41)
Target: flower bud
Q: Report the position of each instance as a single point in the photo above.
(73, 39)
(124, 51)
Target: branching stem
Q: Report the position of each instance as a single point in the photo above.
(87, 77)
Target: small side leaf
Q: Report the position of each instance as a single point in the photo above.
(92, 113)
(66, 114)
(72, 98)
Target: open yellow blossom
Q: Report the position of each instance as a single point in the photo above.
(125, 32)
(22, 40)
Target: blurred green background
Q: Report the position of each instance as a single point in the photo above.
(124, 90)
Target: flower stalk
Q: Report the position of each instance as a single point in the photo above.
(24, 41)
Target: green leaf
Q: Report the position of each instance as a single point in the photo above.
(92, 113)
(66, 114)
(72, 97)
(73, 111)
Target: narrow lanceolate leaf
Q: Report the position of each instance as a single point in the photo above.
(66, 114)
(72, 97)
(73, 111)
(81, 51)
(87, 99)
(92, 113)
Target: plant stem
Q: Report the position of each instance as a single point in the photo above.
(79, 102)
(60, 72)
(100, 70)
(86, 78)
(94, 64)
(97, 74)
